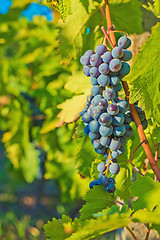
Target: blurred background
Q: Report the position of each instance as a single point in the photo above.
(38, 173)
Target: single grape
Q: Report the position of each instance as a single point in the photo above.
(107, 57)
(96, 143)
(114, 168)
(106, 131)
(95, 90)
(124, 42)
(95, 112)
(123, 106)
(114, 154)
(111, 180)
(95, 60)
(113, 109)
(109, 94)
(127, 118)
(82, 60)
(94, 81)
(101, 167)
(110, 188)
(96, 99)
(142, 116)
(115, 144)
(94, 135)
(129, 131)
(87, 118)
(127, 55)
(94, 126)
(105, 141)
(93, 183)
(117, 87)
(103, 104)
(103, 180)
(123, 140)
(86, 70)
(105, 119)
(104, 68)
(100, 150)
(121, 150)
(115, 79)
(86, 130)
(117, 52)
(89, 53)
(101, 49)
(115, 65)
(86, 60)
(118, 119)
(103, 80)
(119, 130)
(94, 72)
(125, 69)
(144, 124)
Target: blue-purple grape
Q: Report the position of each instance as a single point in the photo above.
(94, 81)
(115, 144)
(94, 135)
(127, 55)
(119, 130)
(103, 180)
(117, 52)
(94, 126)
(96, 99)
(102, 104)
(95, 60)
(117, 87)
(94, 72)
(100, 150)
(101, 49)
(115, 65)
(123, 106)
(96, 143)
(129, 131)
(114, 168)
(86, 70)
(144, 124)
(95, 90)
(107, 57)
(110, 188)
(121, 150)
(106, 131)
(124, 42)
(87, 117)
(113, 109)
(125, 69)
(93, 183)
(101, 167)
(86, 130)
(104, 68)
(105, 141)
(115, 79)
(109, 94)
(105, 119)
(114, 154)
(104, 80)
(118, 119)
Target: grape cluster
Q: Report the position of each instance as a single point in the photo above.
(106, 116)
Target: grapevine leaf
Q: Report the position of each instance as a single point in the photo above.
(59, 229)
(72, 107)
(62, 6)
(154, 8)
(145, 76)
(147, 191)
(146, 216)
(94, 228)
(97, 199)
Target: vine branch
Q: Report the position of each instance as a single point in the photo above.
(147, 149)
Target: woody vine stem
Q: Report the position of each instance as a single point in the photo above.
(145, 144)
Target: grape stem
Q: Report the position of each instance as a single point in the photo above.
(131, 232)
(109, 160)
(156, 159)
(147, 149)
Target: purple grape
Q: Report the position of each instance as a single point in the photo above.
(94, 126)
(118, 119)
(127, 55)
(113, 109)
(125, 69)
(94, 72)
(86, 70)
(127, 118)
(110, 188)
(115, 144)
(129, 131)
(124, 42)
(111, 180)
(119, 130)
(95, 112)
(82, 60)
(93, 183)
(144, 124)
(100, 150)
(114, 154)
(123, 140)
(121, 150)
(103, 104)
(115, 80)
(123, 106)
(94, 135)
(115, 65)
(104, 68)
(101, 167)
(95, 60)
(106, 153)
(103, 180)
(117, 52)
(89, 53)
(94, 81)
(105, 119)
(103, 80)
(86, 130)
(114, 168)
(87, 117)
(106, 131)
(101, 49)
(96, 99)
(96, 143)
(105, 141)
(95, 90)
(107, 57)
(117, 87)
(109, 94)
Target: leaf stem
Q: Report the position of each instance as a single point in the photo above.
(147, 149)
(156, 159)
(131, 232)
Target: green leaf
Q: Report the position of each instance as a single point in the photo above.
(94, 228)
(147, 191)
(59, 229)
(154, 8)
(146, 216)
(144, 79)
(97, 199)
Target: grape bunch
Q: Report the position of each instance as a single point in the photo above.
(106, 116)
